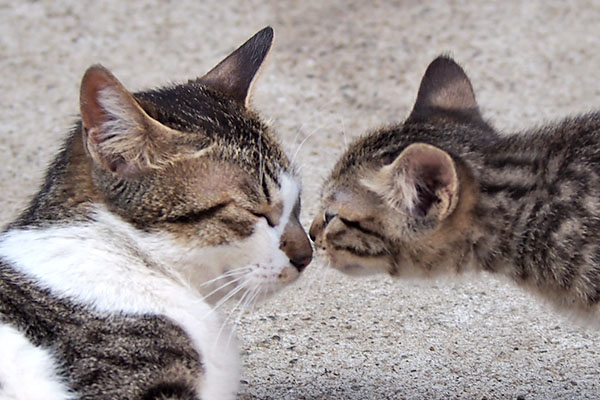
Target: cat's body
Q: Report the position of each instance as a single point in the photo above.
(159, 205)
(443, 192)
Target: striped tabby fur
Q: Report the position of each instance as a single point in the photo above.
(443, 192)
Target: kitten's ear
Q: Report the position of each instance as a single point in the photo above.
(118, 133)
(445, 87)
(421, 182)
(234, 75)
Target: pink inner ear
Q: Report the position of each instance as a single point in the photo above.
(431, 173)
(433, 168)
(95, 79)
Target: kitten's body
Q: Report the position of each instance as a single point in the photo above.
(158, 202)
(443, 193)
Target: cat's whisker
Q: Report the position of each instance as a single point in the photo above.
(237, 305)
(344, 133)
(230, 273)
(229, 295)
(298, 132)
(308, 136)
(220, 303)
(247, 300)
(301, 144)
(222, 287)
(255, 293)
(228, 318)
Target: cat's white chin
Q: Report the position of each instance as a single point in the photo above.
(254, 286)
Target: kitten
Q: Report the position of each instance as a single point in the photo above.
(443, 192)
(160, 204)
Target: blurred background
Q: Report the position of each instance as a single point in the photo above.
(337, 70)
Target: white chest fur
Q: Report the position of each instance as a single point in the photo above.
(105, 264)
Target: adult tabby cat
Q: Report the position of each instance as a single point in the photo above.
(443, 192)
(153, 195)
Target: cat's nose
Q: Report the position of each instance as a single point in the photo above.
(301, 263)
(295, 245)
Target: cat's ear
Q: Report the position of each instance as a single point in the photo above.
(117, 132)
(234, 75)
(445, 87)
(421, 182)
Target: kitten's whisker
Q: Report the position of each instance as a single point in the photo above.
(325, 276)
(396, 266)
(312, 278)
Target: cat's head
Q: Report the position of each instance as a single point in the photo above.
(400, 200)
(199, 175)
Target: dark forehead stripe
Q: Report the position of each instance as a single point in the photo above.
(210, 119)
(381, 147)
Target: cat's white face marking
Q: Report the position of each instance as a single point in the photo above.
(256, 265)
(27, 372)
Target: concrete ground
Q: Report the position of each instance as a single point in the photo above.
(338, 69)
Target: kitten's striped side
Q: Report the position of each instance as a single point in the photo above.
(443, 193)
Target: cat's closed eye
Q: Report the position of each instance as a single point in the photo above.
(264, 216)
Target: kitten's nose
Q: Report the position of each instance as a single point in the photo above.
(318, 225)
(312, 232)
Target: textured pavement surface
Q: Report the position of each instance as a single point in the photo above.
(337, 70)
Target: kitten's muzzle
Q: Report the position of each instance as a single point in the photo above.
(318, 226)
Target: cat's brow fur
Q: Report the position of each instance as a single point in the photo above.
(526, 204)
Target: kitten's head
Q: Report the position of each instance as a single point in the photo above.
(400, 200)
(199, 174)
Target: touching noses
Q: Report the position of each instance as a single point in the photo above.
(295, 245)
